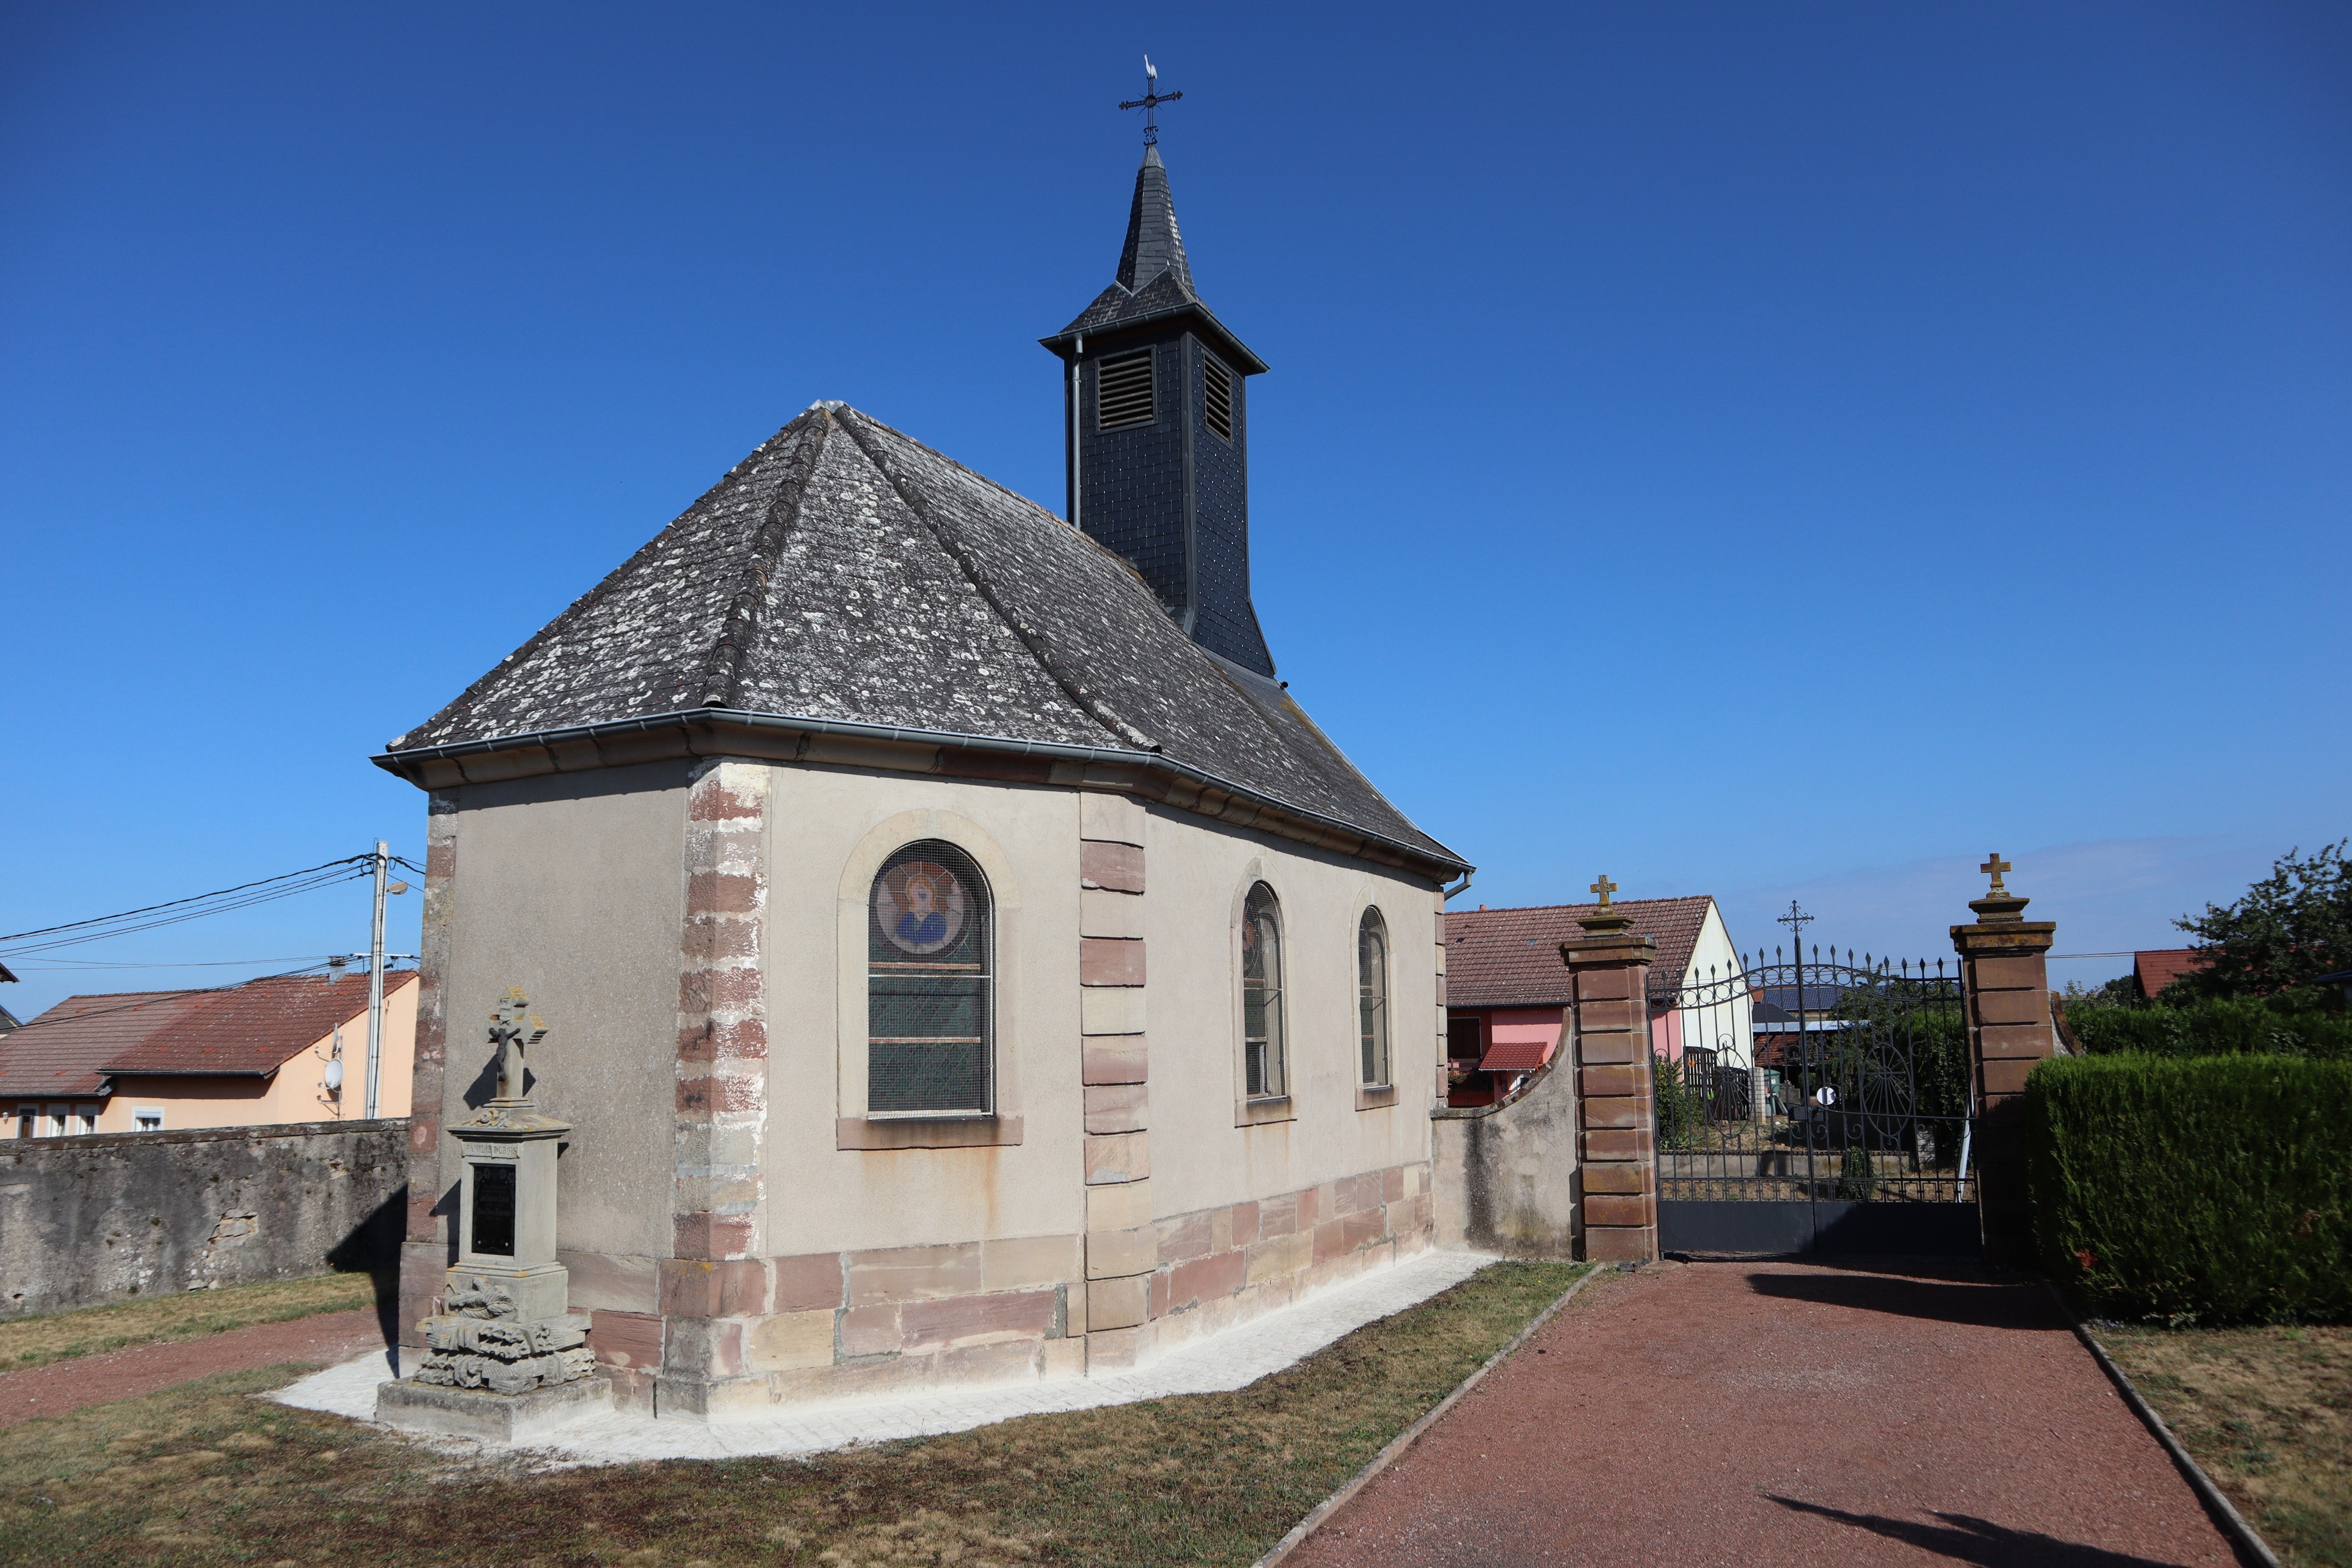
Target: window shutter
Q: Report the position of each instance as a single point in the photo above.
(1124, 392)
(1217, 393)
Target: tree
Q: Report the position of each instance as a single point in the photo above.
(2292, 925)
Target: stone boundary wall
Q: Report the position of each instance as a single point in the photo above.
(839, 1325)
(116, 1216)
(1508, 1174)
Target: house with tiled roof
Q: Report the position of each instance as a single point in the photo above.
(1506, 989)
(280, 1050)
(2156, 968)
(941, 911)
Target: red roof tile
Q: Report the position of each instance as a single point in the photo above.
(250, 1028)
(1510, 958)
(65, 1049)
(2160, 966)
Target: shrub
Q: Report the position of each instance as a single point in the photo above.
(2304, 1022)
(2212, 1190)
(1682, 1109)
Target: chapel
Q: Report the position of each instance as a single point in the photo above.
(961, 959)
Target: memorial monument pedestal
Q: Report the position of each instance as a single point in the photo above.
(505, 1356)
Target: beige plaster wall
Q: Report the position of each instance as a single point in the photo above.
(1198, 876)
(572, 887)
(829, 832)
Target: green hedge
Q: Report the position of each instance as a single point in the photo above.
(2293, 1023)
(2216, 1189)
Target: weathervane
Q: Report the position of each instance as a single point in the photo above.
(1150, 101)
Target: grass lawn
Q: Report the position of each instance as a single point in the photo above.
(33, 1342)
(2268, 1413)
(206, 1474)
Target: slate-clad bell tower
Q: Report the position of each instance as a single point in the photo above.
(1157, 420)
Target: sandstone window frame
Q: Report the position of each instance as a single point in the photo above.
(1258, 898)
(856, 1126)
(1375, 996)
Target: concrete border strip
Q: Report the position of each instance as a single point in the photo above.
(2251, 1547)
(1405, 1439)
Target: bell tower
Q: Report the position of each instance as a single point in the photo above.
(1156, 416)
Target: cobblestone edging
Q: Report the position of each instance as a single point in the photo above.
(1405, 1439)
(2252, 1548)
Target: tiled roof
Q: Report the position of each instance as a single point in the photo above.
(65, 1051)
(1510, 958)
(2160, 966)
(246, 1030)
(845, 572)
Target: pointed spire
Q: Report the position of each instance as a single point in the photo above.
(1153, 246)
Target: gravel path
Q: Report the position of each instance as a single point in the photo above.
(1780, 1413)
(69, 1385)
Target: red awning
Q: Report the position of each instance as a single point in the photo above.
(1516, 1055)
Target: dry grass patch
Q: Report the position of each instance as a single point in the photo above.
(205, 1474)
(2268, 1413)
(190, 1314)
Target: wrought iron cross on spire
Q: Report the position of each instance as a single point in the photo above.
(1796, 920)
(1150, 101)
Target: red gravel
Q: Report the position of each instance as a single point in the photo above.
(1779, 1412)
(64, 1385)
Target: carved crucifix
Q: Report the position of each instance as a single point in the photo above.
(1993, 867)
(1604, 888)
(512, 1026)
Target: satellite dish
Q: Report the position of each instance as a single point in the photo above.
(334, 1073)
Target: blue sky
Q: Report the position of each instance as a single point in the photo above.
(1768, 451)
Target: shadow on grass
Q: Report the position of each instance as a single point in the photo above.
(1965, 1539)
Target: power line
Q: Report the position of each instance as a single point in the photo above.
(243, 896)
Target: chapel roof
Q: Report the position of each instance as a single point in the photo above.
(846, 574)
(1510, 958)
(247, 1030)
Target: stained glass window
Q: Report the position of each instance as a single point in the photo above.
(1264, 1071)
(1372, 996)
(930, 1011)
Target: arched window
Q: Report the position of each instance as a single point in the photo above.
(929, 969)
(1372, 996)
(1263, 1070)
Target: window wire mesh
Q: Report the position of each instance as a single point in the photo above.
(1372, 996)
(930, 1007)
(1262, 1067)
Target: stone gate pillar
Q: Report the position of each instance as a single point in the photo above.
(2005, 986)
(1609, 979)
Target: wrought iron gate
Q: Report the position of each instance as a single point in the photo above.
(1814, 1104)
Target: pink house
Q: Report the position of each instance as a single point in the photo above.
(1505, 988)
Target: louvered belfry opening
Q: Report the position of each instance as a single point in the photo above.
(1124, 396)
(929, 1002)
(1158, 424)
(1217, 394)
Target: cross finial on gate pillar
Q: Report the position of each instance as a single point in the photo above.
(1604, 888)
(1993, 867)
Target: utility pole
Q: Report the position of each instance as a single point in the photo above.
(376, 978)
